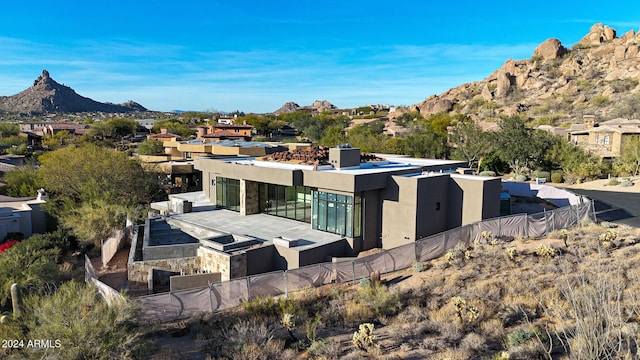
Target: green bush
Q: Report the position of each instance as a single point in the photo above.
(519, 337)
(77, 319)
(613, 182)
(487, 173)
(626, 183)
(31, 263)
(364, 283)
(541, 174)
(556, 177)
(521, 178)
(419, 266)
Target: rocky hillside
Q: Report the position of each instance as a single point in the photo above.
(599, 76)
(318, 106)
(46, 96)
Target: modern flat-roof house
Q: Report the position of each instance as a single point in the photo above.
(304, 206)
(369, 200)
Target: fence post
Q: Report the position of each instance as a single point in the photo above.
(471, 236)
(286, 284)
(210, 296)
(353, 270)
(384, 259)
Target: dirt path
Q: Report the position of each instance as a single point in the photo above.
(115, 273)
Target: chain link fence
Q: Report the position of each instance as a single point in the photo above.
(218, 296)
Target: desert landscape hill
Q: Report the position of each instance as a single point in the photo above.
(596, 76)
(46, 96)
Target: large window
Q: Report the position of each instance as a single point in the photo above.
(338, 214)
(228, 193)
(291, 202)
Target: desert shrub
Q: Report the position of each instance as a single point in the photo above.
(521, 178)
(364, 282)
(364, 339)
(418, 266)
(379, 299)
(541, 174)
(545, 251)
(626, 183)
(623, 85)
(519, 337)
(267, 306)
(556, 177)
(86, 327)
(608, 225)
(487, 173)
(473, 343)
(613, 182)
(32, 264)
(512, 252)
(457, 254)
(324, 349)
(600, 101)
(597, 327)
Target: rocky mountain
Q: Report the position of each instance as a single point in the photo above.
(598, 76)
(318, 106)
(47, 96)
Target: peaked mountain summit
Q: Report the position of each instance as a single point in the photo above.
(47, 96)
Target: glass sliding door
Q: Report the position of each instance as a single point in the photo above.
(228, 193)
(338, 214)
(291, 202)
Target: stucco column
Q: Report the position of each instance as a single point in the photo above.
(249, 197)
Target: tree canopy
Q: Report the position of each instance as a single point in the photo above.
(90, 172)
(150, 147)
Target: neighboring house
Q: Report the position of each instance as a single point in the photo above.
(177, 165)
(306, 206)
(164, 136)
(51, 128)
(146, 123)
(23, 215)
(223, 131)
(606, 139)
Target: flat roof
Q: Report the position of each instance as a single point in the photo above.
(388, 165)
(260, 226)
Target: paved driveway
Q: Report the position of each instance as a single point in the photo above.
(613, 203)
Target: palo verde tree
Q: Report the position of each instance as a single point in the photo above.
(519, 146)
(629, 161)
(91, 186)
(469, 142)
(150, 147)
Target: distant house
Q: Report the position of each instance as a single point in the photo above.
(23, 215)
(606, 139)
(164, 136)
(44, 129)
(225, 132)
(146, 123)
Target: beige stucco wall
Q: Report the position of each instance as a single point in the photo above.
(413, 207)
(473, 198)
(293, 258)
(288, 177)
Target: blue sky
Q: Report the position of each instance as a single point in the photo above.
(254, 56)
